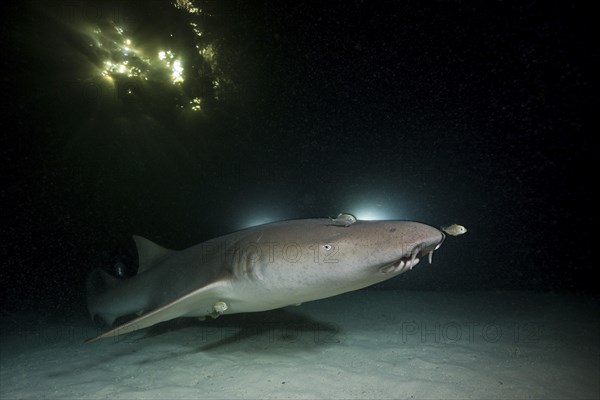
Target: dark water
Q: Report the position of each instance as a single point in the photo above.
(144, 118)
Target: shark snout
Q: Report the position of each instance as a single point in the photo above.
(412, 256)
(428, 247)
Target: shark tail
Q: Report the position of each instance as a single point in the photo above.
(98, 283)
(110, 298)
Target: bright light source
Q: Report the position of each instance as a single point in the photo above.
(196, 103)
(177, 74)
(254, 221)
(372, 212)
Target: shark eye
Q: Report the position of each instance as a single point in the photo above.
(327, 247)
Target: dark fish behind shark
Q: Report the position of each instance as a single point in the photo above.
(257, 269)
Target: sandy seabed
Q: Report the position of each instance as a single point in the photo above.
(360, 345)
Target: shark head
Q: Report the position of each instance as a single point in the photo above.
(303, 260)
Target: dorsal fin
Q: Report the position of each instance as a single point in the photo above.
(149, 253)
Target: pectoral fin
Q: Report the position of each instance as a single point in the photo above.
(199, 302)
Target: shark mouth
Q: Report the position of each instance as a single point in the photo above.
(408, 262)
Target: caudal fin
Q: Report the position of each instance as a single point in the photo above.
(107, 301)
(98, 283)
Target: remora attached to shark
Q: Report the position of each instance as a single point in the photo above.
(258, 269)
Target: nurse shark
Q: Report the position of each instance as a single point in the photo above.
(257, 269)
